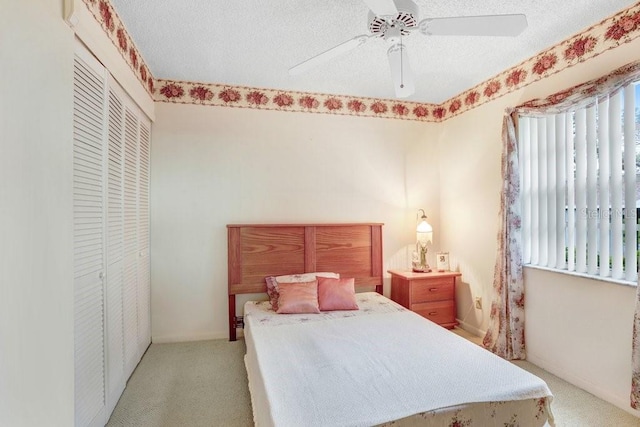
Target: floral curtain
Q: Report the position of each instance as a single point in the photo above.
(505, 335)
(583, 94)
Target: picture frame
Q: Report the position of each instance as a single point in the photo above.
(442, 261)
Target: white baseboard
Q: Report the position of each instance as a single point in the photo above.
(607, 395)
(470, 328)
(164, 339)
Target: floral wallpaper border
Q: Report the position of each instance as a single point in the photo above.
(610, 33)
(273, 99)
(106, 15)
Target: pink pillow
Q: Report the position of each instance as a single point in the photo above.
(272, 283)
(299, 297)
(336, 294)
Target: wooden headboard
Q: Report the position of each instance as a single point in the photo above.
(256, 251)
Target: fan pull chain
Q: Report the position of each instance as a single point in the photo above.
(401, 68)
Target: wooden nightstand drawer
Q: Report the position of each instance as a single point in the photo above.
(431, 295)
(442, 312)
(432, 290)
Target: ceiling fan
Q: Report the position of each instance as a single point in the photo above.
(393, 19)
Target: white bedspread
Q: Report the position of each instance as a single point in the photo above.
(370, 369)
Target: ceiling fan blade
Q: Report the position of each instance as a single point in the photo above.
(382, 7)
(401, 73)
(329, 54)
(488, 25)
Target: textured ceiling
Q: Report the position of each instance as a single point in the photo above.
(253, 43)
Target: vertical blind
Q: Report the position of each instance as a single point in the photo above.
(578, 181)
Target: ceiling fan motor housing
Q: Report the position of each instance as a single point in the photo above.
(407, 17)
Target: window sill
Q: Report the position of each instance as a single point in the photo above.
(584, 275)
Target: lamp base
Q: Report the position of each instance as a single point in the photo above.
(422, 270)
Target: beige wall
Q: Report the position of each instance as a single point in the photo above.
(580, 329)
(214, 166)
(469, 152)
(36, 278)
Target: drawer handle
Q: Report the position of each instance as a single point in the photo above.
(433, 313)
(433, 289)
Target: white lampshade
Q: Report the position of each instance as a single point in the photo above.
(424, 232)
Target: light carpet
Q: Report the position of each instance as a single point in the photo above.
(204, 383)
(201, 383)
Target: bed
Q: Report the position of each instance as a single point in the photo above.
(379, 365)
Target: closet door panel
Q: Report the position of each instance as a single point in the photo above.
(130, 291)
(88, 211)
(116, 378)
(144, 321)
(144, 275)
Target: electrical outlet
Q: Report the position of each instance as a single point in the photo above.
(479, 303)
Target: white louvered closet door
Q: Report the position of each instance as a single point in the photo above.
(136, 284)
(116, 377)
(130, 306)
(88, 214)
(144, 274)
(111, 239)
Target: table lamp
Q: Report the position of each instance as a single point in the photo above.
(424, 236)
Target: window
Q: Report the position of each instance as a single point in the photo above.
(579, 187)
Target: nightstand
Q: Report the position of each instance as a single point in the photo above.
(431, 295)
